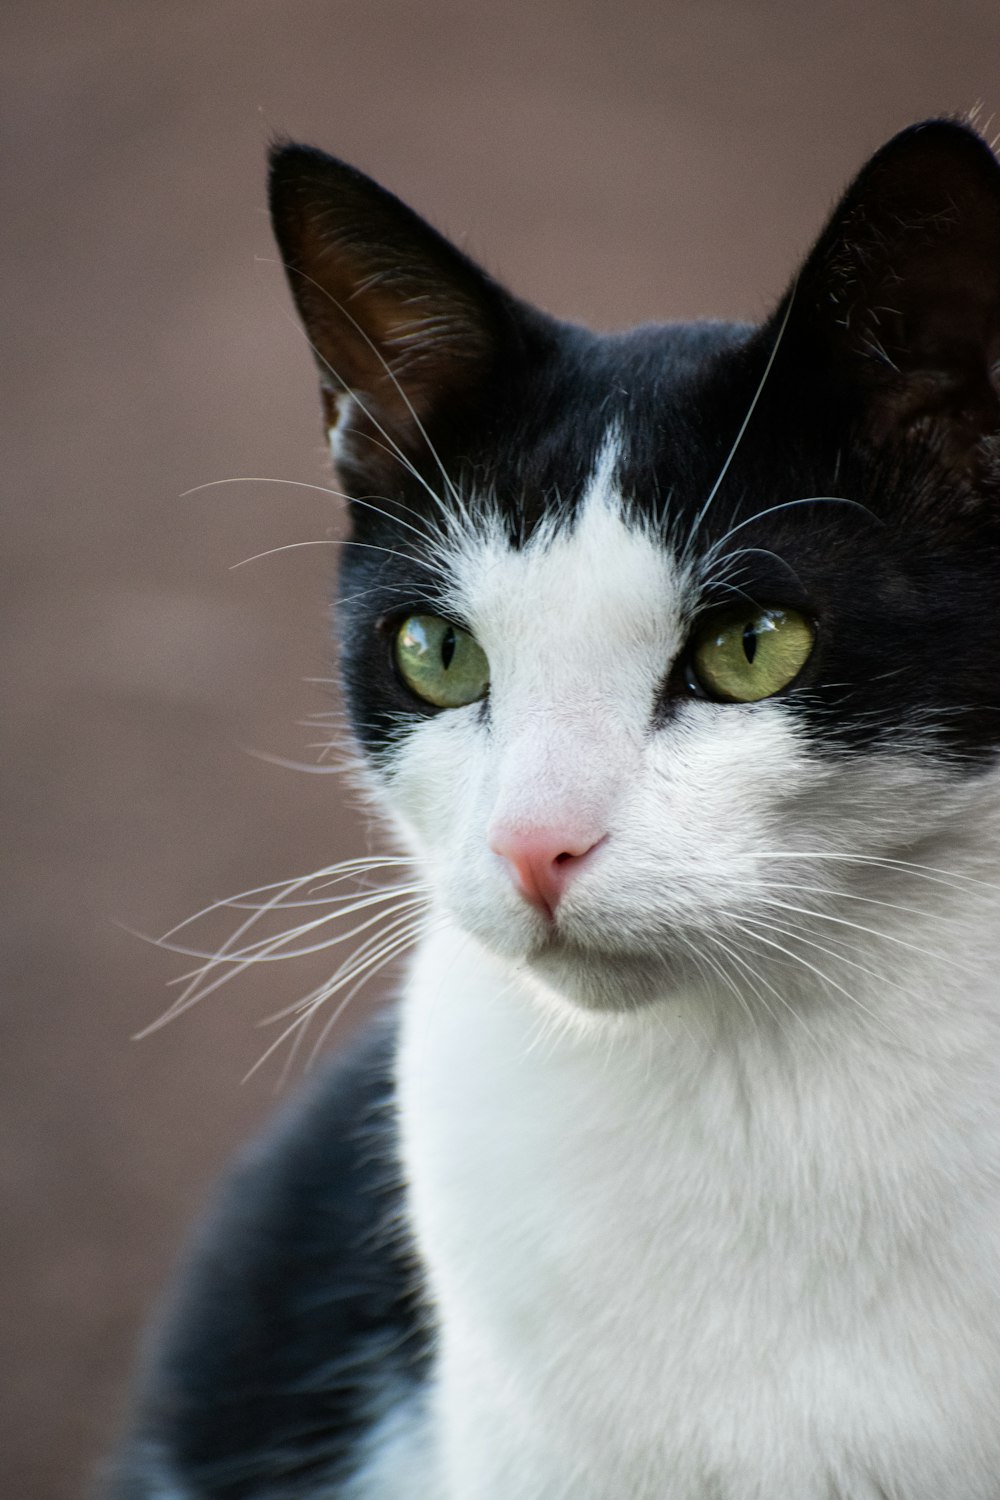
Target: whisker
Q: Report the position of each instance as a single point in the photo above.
(822, 916)
(930, 872)
(394, 448)
(833, 893)
(402, 922)
(322, 489)
(750, 411)
(418, 932)
(307, 901)
(771, 510)
(181, 1003)
(798, 931)
(309, 768)
(718, 970)
(348, 869)
(757, 977)
(824, 978)
(266, 950)
(232, 959)
(362, 973)
(334, 542)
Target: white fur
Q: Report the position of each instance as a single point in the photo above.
(695, 1235)
(337, 434)
(399, 1458)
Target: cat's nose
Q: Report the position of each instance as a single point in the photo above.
(542, 861)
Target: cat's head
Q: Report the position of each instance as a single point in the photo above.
(669, 645)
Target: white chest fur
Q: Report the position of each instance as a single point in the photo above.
(679, 1266)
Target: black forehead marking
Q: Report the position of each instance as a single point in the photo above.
(896, 564)
(673, 396)
(644, 391)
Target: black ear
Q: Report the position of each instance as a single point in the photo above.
(903, 290)
(406, 330)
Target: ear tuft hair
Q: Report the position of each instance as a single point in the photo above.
(903, 288)
(406, 330)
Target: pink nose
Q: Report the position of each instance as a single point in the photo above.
(543, 861)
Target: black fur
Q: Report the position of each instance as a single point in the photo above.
(299, 1319)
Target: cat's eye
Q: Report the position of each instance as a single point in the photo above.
(440, 662)
(750, 653)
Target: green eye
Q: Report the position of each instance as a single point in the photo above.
(749, 653)
(440, 662)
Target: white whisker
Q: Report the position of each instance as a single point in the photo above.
(272, 950)
(333, 542)
(323, 489)
(713, 551)
(395, 450)
(823, 916)
(750, 411)
(235, 955)
(361, 973)
(755, 978)
(754, 934)
(931, 873)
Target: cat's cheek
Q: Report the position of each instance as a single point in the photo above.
(435, 788)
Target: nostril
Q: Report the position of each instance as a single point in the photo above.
(540, 862)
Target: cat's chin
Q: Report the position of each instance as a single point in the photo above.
(598, 981)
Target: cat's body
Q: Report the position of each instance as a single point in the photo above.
(698, 1075)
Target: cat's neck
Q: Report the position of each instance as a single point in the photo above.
(590, 1199)
(888, 1057)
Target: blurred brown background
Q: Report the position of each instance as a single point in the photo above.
(613, 162)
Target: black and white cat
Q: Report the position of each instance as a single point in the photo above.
(675, 659)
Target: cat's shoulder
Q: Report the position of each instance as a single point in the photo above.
(297, 1322)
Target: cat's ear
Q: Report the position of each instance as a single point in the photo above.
(406, 330)
(903, 290)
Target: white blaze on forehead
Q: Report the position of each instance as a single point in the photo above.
(589, 612)
(580, 627)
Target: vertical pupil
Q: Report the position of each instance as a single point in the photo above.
(749, 642)
(447, 647)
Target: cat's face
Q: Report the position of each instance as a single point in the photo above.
(663, 644)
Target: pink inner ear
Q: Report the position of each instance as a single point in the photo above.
(394, 313)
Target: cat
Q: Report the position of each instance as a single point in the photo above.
(673, 658)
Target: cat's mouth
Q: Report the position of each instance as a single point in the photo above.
(600, 978)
